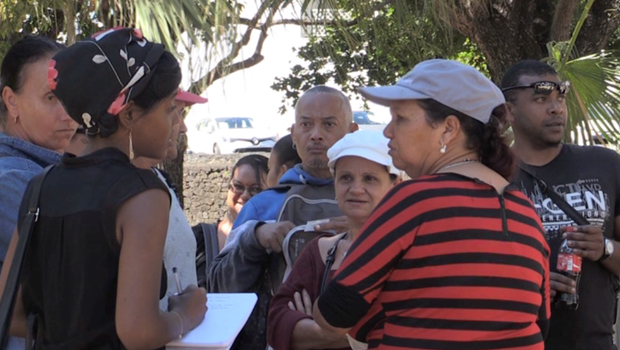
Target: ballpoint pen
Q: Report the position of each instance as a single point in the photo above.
(176, 278)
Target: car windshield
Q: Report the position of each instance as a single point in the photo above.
(362, 117)
(234, 123)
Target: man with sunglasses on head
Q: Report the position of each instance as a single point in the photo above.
(585, 178)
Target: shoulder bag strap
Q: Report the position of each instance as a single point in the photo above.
(329, 261)
(557, 199)
(12, 283)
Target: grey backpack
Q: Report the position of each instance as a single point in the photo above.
(303, 204)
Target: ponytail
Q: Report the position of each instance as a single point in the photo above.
(485, 139)
(494, 151)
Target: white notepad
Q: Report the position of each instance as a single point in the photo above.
(227, 313)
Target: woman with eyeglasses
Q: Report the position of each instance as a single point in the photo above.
(249, 177)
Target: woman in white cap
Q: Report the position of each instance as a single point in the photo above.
(455, 258)
(363, 174)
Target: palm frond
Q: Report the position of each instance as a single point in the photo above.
(594, 98)
(166, 20)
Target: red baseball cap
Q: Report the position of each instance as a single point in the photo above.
(189, 98)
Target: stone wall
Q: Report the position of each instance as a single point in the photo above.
(205, 185)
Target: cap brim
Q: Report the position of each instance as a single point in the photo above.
(385, 95)
(189, 98)
(371, 155)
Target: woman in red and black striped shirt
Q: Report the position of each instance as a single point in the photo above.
(455, 258)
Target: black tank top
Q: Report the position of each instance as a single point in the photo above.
(70, 273)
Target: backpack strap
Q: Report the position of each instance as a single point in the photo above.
(25, 231)
(207, 248)
(212, 246)
(280, 188)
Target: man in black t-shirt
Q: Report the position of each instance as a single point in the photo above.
(588, 179)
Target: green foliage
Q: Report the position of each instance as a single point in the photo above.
(472, 56)
(21, 17)
(371, 49)
(205, 21)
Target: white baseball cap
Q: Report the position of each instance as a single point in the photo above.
(456, 85)
(367, 144)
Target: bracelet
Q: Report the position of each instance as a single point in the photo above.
(180, 319)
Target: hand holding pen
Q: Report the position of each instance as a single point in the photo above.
(190, 303)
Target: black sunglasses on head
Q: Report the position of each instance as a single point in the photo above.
(543, 87)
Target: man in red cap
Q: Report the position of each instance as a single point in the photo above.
(184, 99)
(180, 246)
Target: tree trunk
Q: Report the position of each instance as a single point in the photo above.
(68, 7)
(174, 167)
(504, 33)
(563, 19)
(510, 32)
(600, 25)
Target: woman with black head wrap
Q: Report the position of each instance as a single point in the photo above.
(93, 274)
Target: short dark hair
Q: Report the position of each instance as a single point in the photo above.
(29, 49)
(526, 67)
(285, 153)
(485, 139)
(255, 161)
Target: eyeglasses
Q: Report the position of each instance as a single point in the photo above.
(543, 87)
(240, 189)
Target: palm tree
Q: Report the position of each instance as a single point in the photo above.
(594, 96)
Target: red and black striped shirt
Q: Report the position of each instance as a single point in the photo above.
(445, 262)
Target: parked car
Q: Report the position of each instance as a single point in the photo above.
(368, 121)
(231, 135)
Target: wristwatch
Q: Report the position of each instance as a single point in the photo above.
(609, 249)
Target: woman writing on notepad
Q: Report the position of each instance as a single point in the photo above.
(93, 273)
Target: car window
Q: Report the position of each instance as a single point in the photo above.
(364, 118)
(360, 118)
(247, 123)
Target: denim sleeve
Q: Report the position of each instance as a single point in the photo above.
(13, 184)
(240, 266)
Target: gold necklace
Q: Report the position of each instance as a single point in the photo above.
(452, 165)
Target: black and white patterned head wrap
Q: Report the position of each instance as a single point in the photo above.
(96, 77)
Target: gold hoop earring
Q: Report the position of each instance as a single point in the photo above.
(131, 155)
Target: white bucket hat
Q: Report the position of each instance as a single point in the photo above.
(367, 144)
